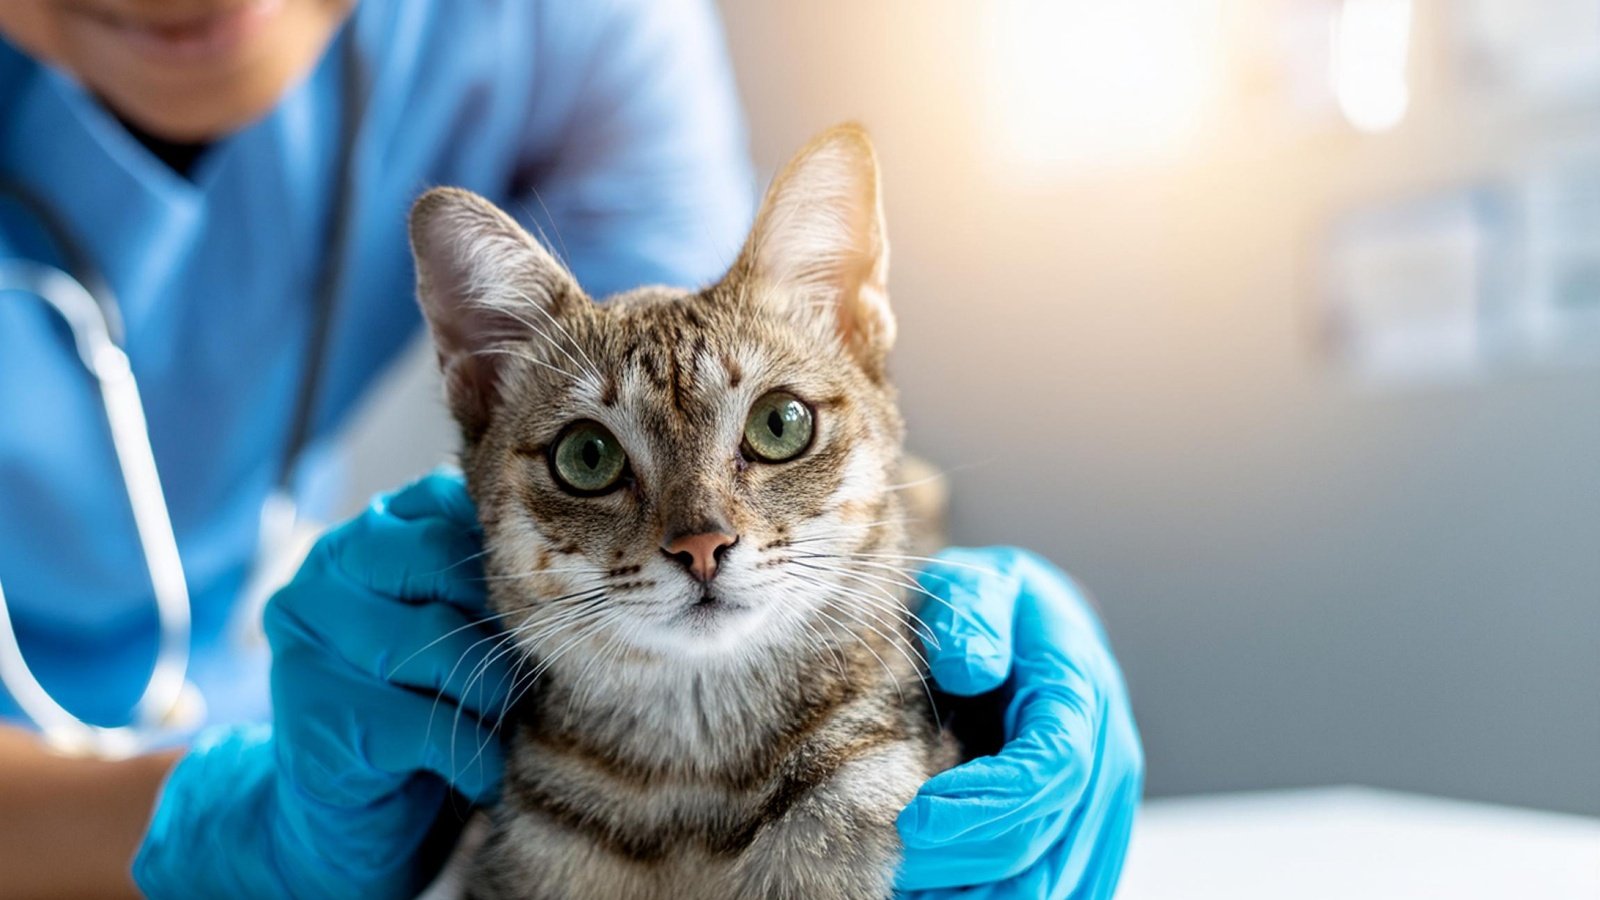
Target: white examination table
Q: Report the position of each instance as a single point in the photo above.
(1350, 842)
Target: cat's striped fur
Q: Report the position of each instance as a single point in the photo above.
(760, 746)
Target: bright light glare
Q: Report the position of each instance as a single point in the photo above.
(1096, 82)
(1370, 44)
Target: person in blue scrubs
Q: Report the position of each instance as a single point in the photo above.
(198, 152)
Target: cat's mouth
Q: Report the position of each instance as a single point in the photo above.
(710, 606)
(709, 600)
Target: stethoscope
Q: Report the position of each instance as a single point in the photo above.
(170, 703)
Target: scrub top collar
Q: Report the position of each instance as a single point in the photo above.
(99, 172)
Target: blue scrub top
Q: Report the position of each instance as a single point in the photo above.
(612, 127)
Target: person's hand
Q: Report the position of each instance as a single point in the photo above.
(1050, 814)
(385, 694)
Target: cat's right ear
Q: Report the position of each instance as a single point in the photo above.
(484, 283)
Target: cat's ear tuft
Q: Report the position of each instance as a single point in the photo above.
(484, 283)
(819, 247)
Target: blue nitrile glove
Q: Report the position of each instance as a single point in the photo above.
(380, 708)
(1049, 816)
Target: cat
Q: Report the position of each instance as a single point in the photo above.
(692, 537)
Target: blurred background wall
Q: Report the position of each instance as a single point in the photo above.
(1333, 481)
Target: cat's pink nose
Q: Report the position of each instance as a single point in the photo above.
(699, 553)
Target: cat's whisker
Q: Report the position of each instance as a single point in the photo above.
(925, 632)
(508, 705)
(442, 638)
(938, 475)
(589, 375)
(865, 643)
(520, 637)
(824, 644)
(919, 663)
(926, 479)
(616, 645)
(914, 623)
(433, 710)
(568, 607)
(847, 524)
(902, 645)
(909, 578)
(460, 562)
(823, 641)
(546, 630)
(525, 357)
(895, 610)
(901, 579)
(593, 369)
(909, 582)
(561, 651)
(502, 640)
(498, 640)
(887, 619)
(923, 674)
(571, 618)
(477, 678)
(934, 559)
(884, 614)
(608, 639)
(844, 530)
(850, 530)
(845, 566)
(533, 573)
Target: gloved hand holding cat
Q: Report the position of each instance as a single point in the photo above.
(1050, 815)
(381, 708)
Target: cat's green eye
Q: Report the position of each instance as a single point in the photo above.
(587, 459)
(779, 428)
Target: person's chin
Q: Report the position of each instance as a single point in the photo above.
(198, 115)
(203, 82)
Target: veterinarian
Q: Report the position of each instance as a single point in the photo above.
(212, 194)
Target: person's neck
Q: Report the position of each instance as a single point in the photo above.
(179, 156)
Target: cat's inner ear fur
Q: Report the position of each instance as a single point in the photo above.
(819, 248)
(484, 284)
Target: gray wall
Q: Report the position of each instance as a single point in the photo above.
(1307, 581)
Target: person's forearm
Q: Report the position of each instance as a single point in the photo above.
(69, 827)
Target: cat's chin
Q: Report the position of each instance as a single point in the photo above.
(707, 628)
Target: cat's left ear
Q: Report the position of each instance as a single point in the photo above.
(819, 249)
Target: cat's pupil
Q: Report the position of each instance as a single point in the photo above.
(591, 454)
(775, 423)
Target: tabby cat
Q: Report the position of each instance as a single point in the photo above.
(693, 538)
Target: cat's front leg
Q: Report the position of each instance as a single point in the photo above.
(838, 842)
(527, 857)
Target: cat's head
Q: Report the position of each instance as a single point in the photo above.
(686, 472)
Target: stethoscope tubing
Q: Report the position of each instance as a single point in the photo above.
(130, 439)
